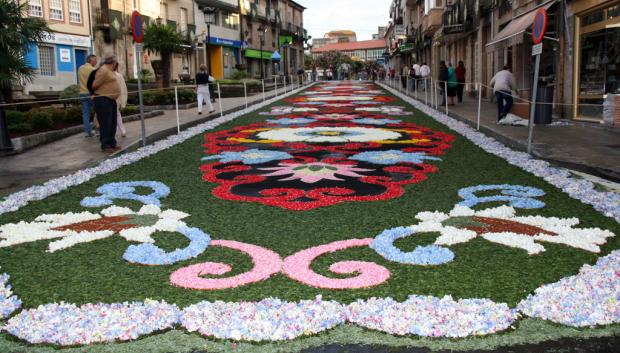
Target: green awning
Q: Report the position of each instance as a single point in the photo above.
(255, 54)
(286, 39)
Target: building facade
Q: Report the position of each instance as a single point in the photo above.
(273, 36)
(580, 63)
(224, 37)
(367, 50)
(65, 49)
(342, 36)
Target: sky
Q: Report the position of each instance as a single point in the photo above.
(361, 16)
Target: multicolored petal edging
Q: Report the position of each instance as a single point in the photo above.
(270, 319)
(590, 298)
(67, 325)
(607, 203)
(8, 302)
(20, 199)
(432, 317)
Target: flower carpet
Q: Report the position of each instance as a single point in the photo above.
(338, 206)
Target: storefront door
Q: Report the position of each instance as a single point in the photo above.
(598, 65)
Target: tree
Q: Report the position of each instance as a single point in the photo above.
(164, 40)
(17, 33)
(308, 62)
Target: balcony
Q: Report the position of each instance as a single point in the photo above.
(432, 21)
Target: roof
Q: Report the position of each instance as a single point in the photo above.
(344, 32)
(365, 44)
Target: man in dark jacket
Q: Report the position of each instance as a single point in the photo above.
(443, 79)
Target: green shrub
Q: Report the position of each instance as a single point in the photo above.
(20, 127)
(187, 95)
(26, 107)
(239, 74)
(73, 115)
(58, 115)
(15, 117)
(41, 119)
(148, 98)
(129, 110)
(72, 91)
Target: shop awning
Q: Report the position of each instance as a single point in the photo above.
(256, 54)
(513, 33)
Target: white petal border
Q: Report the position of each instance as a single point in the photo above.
(607, 203)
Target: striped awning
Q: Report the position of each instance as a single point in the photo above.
(514, 32)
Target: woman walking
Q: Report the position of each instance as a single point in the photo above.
(452, 84)
(460, 78)
(121, 102)
(202, 81)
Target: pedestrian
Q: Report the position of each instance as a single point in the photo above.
(452, 84)
(416, 75)
(404, 73)
(314, 74)
(460, 78)
(443, 80)
(503, 84)
(300, 75)
(106, 90)
(425, 72)
(121, 102)
(203, 78)
(85, 96)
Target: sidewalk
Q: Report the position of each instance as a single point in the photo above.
(77, 152)
(585, 147)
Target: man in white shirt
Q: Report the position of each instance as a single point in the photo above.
(415, 74)
(504, 85)
(425, 71)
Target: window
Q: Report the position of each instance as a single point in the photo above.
(56, 10)
(46, 61)
(183, 19)
(75, 11)
(164, 11)
(230, 20)
(134, 4)
(35, 8)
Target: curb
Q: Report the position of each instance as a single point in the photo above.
(25, 143)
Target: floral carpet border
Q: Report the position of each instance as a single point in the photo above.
(15, 201)
(607, 203)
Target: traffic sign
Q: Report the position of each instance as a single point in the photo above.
(137, 30)
(539, 26)
(537, 49)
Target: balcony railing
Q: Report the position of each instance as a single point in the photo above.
(432, 20)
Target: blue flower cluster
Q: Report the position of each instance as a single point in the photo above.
(287, 121)
(253, 156)
(8, 302)
(370, 121)
(516, 195)
(126, 191)
(383, 244)
(151, 255)
(393, 157)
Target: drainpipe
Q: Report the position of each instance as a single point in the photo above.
(125, 41)
(241, 35)
(90, 29)
(195, 51)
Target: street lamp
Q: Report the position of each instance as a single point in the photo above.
(261, 34)
(209, 19)
(285, 47)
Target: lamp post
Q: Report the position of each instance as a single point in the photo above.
(209, 12)
(261, 35)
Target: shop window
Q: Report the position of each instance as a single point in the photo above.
(592, 18)
(613, 12)
(75, 11)
(35, 8)
(46, 61)
(56, 10)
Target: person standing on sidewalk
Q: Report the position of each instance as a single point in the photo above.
(503, 84)
(85, 98)
(443, 80)
(202, 81)
(107, 90)
(416, 75)
(121, 101)
(452, 84)
(460, 78)
(425, 71)
(404, 73)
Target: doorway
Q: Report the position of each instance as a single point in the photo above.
(80, 59)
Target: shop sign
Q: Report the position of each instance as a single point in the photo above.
(400, 31)
(224, 41)
(65, 55)
(66, 39)
(405, 47)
